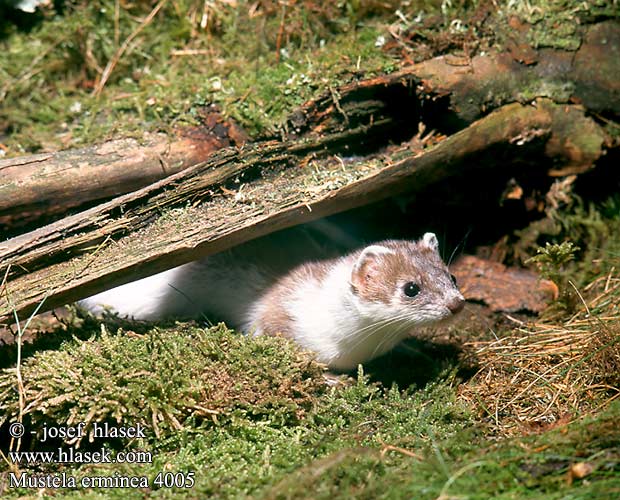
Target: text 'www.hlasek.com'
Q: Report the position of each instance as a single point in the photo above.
(52, 458)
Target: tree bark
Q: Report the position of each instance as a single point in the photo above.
(474, 86)
(238, 195)
(37, 187)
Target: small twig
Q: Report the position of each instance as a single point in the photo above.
(204, 20)
(21, 390)
(245, 95)
(388, 447)
(117, 29)
(514, 320)
(11, 465)
(581, 297)
(121, 50)
(609, 276)
(6, 275)
(190, 52)
(336, 101)
(280, 33)
(93, 257)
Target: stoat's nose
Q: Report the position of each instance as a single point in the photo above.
(456, 305)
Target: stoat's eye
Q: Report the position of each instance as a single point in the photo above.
(411, 289)
(453, 278)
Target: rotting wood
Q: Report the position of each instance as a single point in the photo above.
(78, 233)
(446, 93)
(501, 288)
(240, 195)
(38, 186)
(474, 86)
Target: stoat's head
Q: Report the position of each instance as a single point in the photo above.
(405, 280)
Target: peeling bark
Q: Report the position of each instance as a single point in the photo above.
(474, 86)
(502, 288)
(39, 186)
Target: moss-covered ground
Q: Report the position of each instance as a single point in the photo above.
(254, 418)
(518, 410)
(525, 410)
(257, 61)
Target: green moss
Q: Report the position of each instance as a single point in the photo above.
(359, 441)
(555, 23)
(559, 91)
(174, 66)
(281, 433)
(113, 377)
(241, 412)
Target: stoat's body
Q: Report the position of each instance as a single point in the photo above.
(347, 310)
(352, 309)
(220, 287)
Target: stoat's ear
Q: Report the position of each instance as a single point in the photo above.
(430, 240)
(367, 265)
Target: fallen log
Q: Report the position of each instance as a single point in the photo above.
(446, 93)
(460, 89)
(239, 195)
(33, 188)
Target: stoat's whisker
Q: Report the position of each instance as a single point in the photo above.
(380, 326)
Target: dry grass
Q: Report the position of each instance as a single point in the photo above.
(546, 373)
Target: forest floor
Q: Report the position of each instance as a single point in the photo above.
(491, 406)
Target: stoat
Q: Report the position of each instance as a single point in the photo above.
(348, 309)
